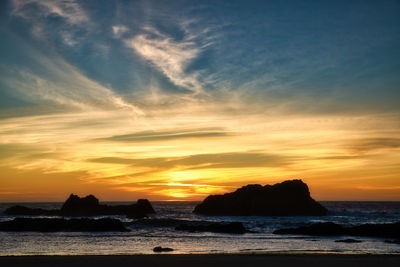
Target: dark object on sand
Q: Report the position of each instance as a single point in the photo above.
(288, 198)
(88, 206)
(390, 230)
(348, 240)
(229, 228)
(161, 249)
(62, 225)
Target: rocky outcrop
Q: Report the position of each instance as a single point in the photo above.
(391, 230)
(140, 209)
(62, 225)
(227, 228)
(288, 198)
(76, 206)
(88, 206)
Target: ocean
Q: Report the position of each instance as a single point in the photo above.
(144, 236)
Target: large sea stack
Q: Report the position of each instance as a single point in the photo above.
(289, 198)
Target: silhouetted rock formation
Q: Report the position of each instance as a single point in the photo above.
(332, 229)
(62, 225)
(284, 199)
(88, 206)
(76, 206)
(161, 249)
(228, 228)
(140, 209)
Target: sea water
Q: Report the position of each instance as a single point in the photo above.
(143, 238)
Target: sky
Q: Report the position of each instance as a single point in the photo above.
(176, 100)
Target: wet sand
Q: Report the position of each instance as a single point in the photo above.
(220, 260)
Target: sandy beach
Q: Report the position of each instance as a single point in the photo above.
(219, 260)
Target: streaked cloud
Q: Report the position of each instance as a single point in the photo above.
(69, 10)
(206, 161)
(63, 84)
(167, 135)
(169, 56)
(119, 30)
(372, 144)
(373, 188)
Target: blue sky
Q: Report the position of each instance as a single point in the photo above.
(101, 90)
(342, 52)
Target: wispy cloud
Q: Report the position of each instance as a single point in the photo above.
(119, 30)
(167, 135)
(40, 14)
(372, 188)
(69, 10)
(63, 84)
(169, 56)
(204, 161)
(68, 39)
(377, 143)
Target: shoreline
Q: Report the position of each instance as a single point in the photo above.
(220, 260)
(243, 253)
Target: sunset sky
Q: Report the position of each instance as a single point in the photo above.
(176, 100)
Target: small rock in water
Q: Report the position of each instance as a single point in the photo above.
(161, 249)
(349, 240)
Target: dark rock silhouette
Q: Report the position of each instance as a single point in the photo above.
(229, 228)
(391, 230)
(88, 206)
(76, 206)
(140, 209)
(161, 249)
(284, 199)
(62, 225)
